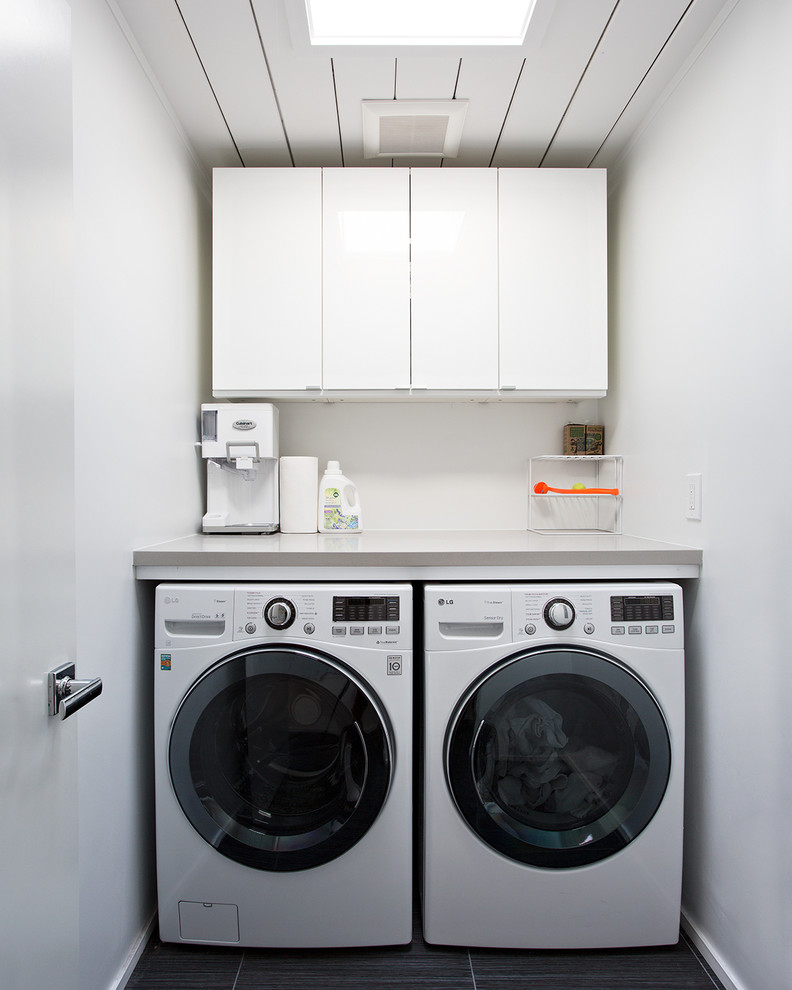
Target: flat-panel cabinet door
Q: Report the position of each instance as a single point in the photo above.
(366, 237)
(553, 279)
(267, 281)
(454, 236)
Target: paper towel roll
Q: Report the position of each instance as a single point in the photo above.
(299, 487)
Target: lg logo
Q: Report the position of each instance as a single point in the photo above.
(445, 601)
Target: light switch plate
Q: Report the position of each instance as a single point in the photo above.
(693, 494)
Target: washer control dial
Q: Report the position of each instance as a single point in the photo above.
(280, 613)
(559, 613)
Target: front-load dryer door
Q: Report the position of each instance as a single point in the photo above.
(280, 758)
(558, 757)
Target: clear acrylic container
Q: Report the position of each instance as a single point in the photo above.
(577, 512)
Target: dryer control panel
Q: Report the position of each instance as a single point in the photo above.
(648, 614)
(599, 611)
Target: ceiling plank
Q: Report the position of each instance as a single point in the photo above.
(635, 35)
(553, 67)
(158, 28)
(420, 78)
(226, 40)
(489, 85)
(303, 86)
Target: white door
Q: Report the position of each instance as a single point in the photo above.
(38, 754)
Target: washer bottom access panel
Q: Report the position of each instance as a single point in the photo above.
(283, 749)
(553, 767)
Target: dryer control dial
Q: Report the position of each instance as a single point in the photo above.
(280, 613)
(559, 613)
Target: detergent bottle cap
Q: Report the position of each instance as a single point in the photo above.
(333, 467)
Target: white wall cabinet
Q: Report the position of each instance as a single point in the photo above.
(366, 283)
(454, 216)
(396, 282)
(552, 228)
(267, 280)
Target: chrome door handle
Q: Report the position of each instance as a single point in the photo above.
(65, 695)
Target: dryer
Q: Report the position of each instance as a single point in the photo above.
(283, 764)
(553, 765)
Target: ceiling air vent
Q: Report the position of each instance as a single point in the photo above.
(412, 128)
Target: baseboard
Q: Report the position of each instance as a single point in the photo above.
(709, 955)
(136, 951)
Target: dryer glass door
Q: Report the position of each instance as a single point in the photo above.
(280, 758)
(558, 757)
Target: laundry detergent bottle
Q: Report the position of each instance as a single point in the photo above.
(339, 503)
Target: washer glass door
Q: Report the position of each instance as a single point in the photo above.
(558, 757)
(280, 758)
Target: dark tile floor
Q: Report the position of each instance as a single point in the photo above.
(418, 965)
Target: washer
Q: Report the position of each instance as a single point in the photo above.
(283, 749)
(553, 765)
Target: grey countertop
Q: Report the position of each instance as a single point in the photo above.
(415, 555)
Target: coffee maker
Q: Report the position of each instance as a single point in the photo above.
(240, 444)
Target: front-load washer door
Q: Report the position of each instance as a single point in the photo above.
(280, 758)
(558, 757)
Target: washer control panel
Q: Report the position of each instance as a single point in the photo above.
(370, 616)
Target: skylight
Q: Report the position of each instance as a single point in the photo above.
(418, 22)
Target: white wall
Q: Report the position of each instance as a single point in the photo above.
(433, 465)
(701, 303)
(141, 333)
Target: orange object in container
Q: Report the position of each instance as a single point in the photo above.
(540, 488)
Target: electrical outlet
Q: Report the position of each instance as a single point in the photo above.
(693, 490)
